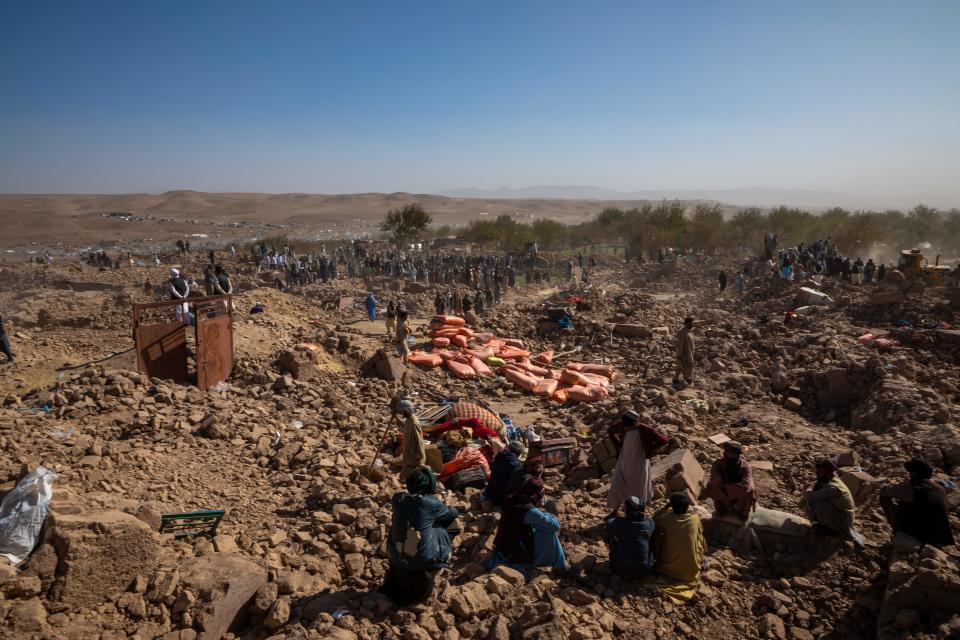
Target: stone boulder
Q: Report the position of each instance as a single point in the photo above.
(633, 330)
(225, 584)
(302, 365)
(679, 471)
(886, 296)
(99, 553)
(386, 365)
(469, 600)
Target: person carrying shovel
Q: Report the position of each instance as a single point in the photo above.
(412, 454)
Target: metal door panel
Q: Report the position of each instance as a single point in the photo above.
(162, 351)
(214, 350)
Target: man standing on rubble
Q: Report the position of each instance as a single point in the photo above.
(403, 332)
(391, 320)
(413, 455)
(869, 270)
(5, 342)
(685, 349)
(209, 280)
(223, 282)
(637, 443)
(179, 290)
(828, 502)
(723, 280)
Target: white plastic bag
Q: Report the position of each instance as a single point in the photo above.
(23, 512)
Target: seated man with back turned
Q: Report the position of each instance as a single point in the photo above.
(631, 555)
(918, 506)
(679, 547)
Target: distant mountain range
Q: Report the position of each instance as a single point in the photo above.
(742, 197)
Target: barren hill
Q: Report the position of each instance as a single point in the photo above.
(83, 220)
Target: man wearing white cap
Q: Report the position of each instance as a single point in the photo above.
(179, 290)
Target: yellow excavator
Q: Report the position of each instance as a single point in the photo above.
(914, 265)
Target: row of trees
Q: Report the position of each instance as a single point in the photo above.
(704, 227)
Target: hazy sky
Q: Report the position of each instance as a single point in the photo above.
(859, 97)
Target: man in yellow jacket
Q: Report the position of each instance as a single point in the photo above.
(828, 502)
(678, 546)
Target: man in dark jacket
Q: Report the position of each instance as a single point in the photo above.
(629, 539)
(179, 290)
(532, 467)
(5, 343)
(918, 506)
(419, 540)
(223, 281)
(502, 468)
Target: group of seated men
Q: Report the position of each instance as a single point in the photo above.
(665, 551)
(917, 506)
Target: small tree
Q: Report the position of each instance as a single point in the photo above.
(549, 233)
(483, 232)
(405, 224)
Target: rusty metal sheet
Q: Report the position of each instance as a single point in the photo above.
(214, 349)
(344, 302)
(162, 351)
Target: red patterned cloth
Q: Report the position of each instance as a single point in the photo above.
(480, 430)
(467, 410)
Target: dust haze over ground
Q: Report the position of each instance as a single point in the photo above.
(302, 545)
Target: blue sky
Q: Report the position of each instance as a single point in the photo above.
(339, 97)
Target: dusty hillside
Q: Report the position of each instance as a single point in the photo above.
(83, 220)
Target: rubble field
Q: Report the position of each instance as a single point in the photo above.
(282, 447)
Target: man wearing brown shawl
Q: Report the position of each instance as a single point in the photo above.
(731, 482)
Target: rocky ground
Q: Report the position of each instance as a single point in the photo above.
(301, 547)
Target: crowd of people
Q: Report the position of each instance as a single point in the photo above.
(664, 551)
(822, 258)
(486, 272)
(216, 282)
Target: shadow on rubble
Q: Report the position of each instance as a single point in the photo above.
(336, 604)
(775, 551)
(862, 618)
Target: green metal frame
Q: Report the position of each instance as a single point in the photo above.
(193, 523)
